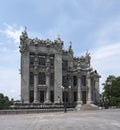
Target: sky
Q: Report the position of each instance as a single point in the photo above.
(92, 25)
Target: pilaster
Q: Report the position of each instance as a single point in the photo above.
(25, 77)
(25, 92)
(58, 78)
(97, 90)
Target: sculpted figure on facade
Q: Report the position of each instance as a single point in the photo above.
(23, 41)
(36, 41)
(59, 43)
(70, 47)
(87, 59)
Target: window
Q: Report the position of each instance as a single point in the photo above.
(52, 60)
(52, 96)
(84, 80)
(41, 60)
(31, 96)
(74, 81)
(42, 95)
(64, 65)
(41, 78)
(32, 59)
(75, 96)
(31, 78)
(52, 79)
(65, 81)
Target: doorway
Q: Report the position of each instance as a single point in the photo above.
(84, 97)
(41, 96)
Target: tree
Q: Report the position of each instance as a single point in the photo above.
(4, 102)
(111, 92)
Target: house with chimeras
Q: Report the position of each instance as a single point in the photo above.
(50, 74)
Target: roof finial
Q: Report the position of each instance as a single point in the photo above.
(58, 36)
(87, 52)
(25, 29)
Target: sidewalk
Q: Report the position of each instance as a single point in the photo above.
(107, 119)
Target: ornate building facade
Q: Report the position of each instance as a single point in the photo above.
(50, 74)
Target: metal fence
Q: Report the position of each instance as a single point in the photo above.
(42, 106)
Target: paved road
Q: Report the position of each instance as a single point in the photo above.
(84, 120)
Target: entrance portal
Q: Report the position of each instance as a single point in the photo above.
(84, 97)
(41, 96)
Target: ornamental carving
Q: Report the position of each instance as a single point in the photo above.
(47, 71)
(70, 47)
(85, 61)
(23, 41)
(36, 68)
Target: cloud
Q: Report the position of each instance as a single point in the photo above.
(10, 82)
(106, 51)
(106, 60)
(12, 32)
(9, 71)
(7, 55)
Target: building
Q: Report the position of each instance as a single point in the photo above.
(50, 74)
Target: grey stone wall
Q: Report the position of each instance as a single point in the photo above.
(77, 66)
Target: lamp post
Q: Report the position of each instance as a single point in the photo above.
(65, 97)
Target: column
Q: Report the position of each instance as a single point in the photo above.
(35, 88)
(89, 99)
(36, 71)
(47, 100)
(79, 101)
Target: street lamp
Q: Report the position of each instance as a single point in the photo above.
(65, 97)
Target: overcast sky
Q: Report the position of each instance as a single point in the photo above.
(92, 25)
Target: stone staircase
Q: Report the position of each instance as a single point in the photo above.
(87, 107)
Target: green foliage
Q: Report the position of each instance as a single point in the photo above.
(4, 102)
(112, 90)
